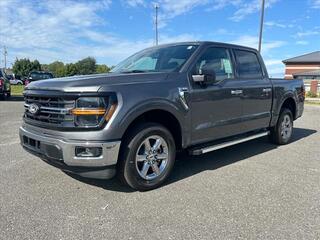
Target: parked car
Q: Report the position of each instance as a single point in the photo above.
(194, 96)
(5, 89)
(39, 75)
(16, 82)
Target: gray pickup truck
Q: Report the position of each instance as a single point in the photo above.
(194, 96)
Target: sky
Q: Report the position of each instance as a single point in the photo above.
(110, 30)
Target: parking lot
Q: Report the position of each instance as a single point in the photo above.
(254, 190)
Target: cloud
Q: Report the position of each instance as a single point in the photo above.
(135, 3)
(250, 8)
(302, 42)
(252, 41)
(316, 4)
(170, 9)
(67, 31)
(308, 33)
(274, 24)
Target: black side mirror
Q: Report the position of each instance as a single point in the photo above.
(207, 76)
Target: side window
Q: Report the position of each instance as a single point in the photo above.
(219, 60)
(248, 64)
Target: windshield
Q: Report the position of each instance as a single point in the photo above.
(165, 59)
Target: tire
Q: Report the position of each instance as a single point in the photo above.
(138, 167)
(281, 133)
(2, 96)
(8, 94)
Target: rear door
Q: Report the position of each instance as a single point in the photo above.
(257, 90)
(216, 109)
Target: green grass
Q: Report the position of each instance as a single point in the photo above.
(16, 90)
(312, 103)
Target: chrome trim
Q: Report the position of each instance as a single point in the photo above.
(182, 97)
(265, 90)
(227, 144)
(53, 110)
(236, 92)
(110, 150)
(119, 106)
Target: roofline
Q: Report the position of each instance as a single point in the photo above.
(288, 60)
(204, 43)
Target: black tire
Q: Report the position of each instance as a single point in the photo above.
(8, 94)
(279, 135)
(2, 96)
(128, 166)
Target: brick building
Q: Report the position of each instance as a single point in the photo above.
(306, 67)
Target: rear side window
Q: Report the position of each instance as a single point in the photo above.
(248, 64)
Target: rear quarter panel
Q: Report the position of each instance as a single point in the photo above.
(284, 89)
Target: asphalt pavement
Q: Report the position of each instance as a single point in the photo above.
(254, 190)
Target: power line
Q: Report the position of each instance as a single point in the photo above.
(261, 25)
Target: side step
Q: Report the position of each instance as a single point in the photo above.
(199, 151)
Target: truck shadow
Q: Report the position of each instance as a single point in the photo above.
(187, 166)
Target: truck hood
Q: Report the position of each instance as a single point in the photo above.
(92, 83)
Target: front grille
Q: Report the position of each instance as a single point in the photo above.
(53, 111)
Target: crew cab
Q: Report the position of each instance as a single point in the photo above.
(192, 96)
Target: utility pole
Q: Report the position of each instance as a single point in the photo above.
(261, 24)
(156, 6)
(5, 53)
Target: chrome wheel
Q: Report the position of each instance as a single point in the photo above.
(286, 127)
(152, 157)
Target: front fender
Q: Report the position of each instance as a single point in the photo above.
(158, 104)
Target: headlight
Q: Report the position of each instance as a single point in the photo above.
(93, 111)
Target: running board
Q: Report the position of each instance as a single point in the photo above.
(199, 151)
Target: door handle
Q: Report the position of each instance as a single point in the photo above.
(266, 90)
(236, 92)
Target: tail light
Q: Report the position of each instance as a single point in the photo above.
(1, 82)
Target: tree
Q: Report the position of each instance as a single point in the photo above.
(71, 69)
(102, 68)
(57, 68)
(36, 65)
(22, 67)
(86, 66)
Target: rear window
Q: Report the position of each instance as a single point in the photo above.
(39, 76)
(248, 64)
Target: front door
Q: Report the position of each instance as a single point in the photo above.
(216, 109)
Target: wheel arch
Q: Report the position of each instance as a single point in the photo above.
(289, 103)
(165, 115)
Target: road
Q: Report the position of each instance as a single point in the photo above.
(254, 190)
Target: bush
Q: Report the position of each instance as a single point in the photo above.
(311, 95)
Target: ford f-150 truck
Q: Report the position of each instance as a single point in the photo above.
(193, 96)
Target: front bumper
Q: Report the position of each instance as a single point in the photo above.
(61, 153)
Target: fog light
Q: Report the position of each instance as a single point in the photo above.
(88, 151)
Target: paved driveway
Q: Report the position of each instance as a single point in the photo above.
(253, 190)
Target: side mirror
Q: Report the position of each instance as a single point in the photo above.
(207, 76)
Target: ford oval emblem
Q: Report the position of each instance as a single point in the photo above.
(34, 109)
